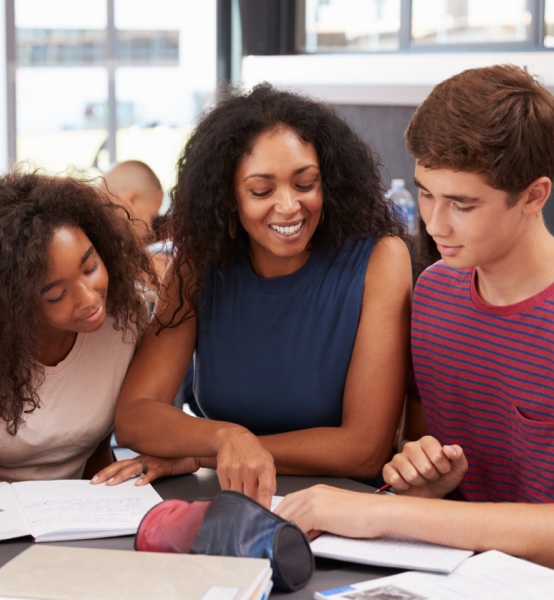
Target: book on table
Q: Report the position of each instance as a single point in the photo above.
(50, 572)
(72, 509)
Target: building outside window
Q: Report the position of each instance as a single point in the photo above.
(444, 22)
(351, 25)
(377, 25)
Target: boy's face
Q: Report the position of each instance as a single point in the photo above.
(469, 221)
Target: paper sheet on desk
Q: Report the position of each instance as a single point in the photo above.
(489, 575)
(396, 552)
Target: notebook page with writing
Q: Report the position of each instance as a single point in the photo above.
(76, 509)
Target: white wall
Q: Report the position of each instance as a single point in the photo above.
(381, 79)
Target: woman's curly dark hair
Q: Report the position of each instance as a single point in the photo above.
(32, 207)
(203, 198)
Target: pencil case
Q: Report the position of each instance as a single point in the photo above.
(230, 524)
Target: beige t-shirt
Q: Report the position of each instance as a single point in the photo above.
(77, 407)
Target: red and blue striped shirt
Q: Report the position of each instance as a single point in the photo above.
(485, 375)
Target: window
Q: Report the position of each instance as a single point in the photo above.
(94, 87)
(335, 25)
(60, 82)
(442, 22)
(400, 25)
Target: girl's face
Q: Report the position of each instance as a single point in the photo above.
(279, 201)
(74, 291)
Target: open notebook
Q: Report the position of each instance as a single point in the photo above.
(72, 509)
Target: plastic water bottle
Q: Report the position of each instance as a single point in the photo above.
(402, 199)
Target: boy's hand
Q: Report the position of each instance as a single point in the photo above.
(324, 508)
(426, 468)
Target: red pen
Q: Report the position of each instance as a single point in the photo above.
(383, 488)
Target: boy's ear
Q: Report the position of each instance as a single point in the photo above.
(536, 194)
(131, 198)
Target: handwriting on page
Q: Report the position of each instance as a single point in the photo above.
(85, 511)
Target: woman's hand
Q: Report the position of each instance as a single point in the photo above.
(147, 468)
(426, 468)
(244, 465)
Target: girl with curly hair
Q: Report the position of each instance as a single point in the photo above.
(67, 337)
(292, 284)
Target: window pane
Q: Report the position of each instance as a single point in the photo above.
(163, 81)
(61, 99)
(59, 32)
(149, 36)
(549, 23)
(335, 25)
(61, 116)
(152, 123)
(470, 21)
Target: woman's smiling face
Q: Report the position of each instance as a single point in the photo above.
(75, 288)
(279, 200)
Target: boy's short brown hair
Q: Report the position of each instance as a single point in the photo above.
(497, 121)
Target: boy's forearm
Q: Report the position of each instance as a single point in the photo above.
(524, 530)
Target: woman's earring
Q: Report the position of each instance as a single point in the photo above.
(232, 225)
(321, 217)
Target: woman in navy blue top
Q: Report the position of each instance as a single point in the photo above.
(292, 283)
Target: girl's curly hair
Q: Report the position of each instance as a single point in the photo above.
(203, 198)
(32, 207)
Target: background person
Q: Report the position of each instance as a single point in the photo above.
(482, 332)
(134, 184)
(292, 282)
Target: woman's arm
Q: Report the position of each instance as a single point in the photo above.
(147, 421)
(375, 384)
(524, 530)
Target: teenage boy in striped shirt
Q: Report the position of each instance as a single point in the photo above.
(482, 333)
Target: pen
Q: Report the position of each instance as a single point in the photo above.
(383, 488)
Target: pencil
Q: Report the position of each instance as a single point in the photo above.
(383, 488)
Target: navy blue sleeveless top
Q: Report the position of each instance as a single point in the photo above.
(273, 354)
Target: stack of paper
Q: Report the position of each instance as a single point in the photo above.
(63, 573)
(489, 575)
